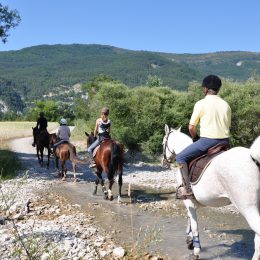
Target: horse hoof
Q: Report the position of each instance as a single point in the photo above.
(189, 242)
(63, 179)
(75, 180)
(194, 257)
(105, 197)
(111, 198)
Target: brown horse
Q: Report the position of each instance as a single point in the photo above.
(42, 140)
(108, 159)
(65, 151)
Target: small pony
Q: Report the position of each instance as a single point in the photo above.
(65, 151)
(42, 140)
(109, 159)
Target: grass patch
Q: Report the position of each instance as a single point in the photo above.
(78, 134)
(10, 130)
(9, 164)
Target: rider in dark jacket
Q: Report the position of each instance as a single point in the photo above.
(42, 124)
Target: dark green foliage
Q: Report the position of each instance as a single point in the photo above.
(244, 100)
(139, 114)
(8, 19)
(53, 111)
(39, 70)
(9, 164)
(9, 96)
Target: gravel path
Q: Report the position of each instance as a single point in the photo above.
(60, 229)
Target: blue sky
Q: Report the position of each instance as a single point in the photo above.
(176, 26)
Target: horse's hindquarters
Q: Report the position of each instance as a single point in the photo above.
(231, 175)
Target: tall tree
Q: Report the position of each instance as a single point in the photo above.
(8, 19)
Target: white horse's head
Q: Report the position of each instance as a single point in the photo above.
(174, 141)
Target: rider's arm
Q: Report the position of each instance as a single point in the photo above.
(38, 123)
(96, 128)
(58, 133)
(193, 131)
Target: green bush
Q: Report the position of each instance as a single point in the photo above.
(139, 114)
(9, 165)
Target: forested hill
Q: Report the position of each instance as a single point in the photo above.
(38, 70)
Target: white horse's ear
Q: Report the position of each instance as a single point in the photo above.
(179, 129)
(166, 129)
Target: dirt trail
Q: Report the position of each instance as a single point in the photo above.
(223, 235)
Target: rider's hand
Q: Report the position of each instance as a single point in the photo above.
(196, 138)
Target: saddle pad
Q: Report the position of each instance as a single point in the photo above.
(199, 165)
(95, 150)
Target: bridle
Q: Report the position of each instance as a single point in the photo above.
(165, 146)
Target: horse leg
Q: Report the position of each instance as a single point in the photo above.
(41, 150)
(98, 179)
(191, 208)
(48, 163)
(110, 194)
(38, 156)
(57, 163)
(120, 183)
(189, 237)
(253, 219)
(74, 171)
(63, 171)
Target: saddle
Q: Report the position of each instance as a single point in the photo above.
(198, 165)
(96, 149)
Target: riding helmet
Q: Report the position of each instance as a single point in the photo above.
(63, 121)
(105, 110)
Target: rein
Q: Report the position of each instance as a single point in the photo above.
(166, 146)
(256, 162)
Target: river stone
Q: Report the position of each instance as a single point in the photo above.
(119, 252)
(45, 256)
(2, 221)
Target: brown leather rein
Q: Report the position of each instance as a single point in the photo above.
(164, 150)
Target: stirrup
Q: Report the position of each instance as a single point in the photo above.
(92, 165)
(183, 194)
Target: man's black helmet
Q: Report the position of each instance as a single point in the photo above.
(212, 82)
(41, 114)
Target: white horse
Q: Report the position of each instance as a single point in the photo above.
(232, 177)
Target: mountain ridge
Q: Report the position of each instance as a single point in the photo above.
(37, 70)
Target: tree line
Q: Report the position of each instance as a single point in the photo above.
(139, 114)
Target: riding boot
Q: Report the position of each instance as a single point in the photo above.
(92, 163)
(186, 191)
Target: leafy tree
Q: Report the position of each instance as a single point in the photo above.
(154, 81)
(139, 114)
(8, 19)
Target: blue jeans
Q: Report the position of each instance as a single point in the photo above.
(91, 148)
(198, 148)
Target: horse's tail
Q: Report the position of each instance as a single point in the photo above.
(114, 159)
(255, 149)
(73, 155)
(72, 152)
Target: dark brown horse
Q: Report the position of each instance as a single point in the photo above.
(42, 140)
(63, 152)
(108, 159)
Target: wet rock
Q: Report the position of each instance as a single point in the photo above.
(2, 221)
